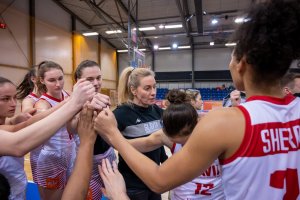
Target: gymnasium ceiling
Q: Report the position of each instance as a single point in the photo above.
(195, 16)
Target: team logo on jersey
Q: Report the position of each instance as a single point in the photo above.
(138, 120)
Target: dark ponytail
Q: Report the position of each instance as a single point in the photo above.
(26, 86)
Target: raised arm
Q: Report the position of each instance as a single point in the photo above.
(209, 140)
(26, 139)
(78, 183)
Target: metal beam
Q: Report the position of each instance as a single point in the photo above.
(199, 15)
(149, 43)
(187, 14)
(150, 19)
(119, 13)
(100, 12)
(178, 4)
(72, 14)
(194, 34)
(81, 21)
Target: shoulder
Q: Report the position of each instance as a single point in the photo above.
(223, 128)
(42, 104)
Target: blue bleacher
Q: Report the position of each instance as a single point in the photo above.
(206, 93)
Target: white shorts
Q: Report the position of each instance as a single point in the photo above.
(54, 167)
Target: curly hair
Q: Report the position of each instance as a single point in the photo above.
(269, 39)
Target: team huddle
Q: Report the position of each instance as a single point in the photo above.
(247, 151)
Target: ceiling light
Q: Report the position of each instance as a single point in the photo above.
(230, 44)
(90, 33)
(164, 48)
(173, 26)
(142, 49)
(239, 20)
(161, 26)
(214, 21)
(204, 12)
(122, 50)
(174, 45)
(155, 46)
(155, 37)
(212, 43)
(112, 32)
(184, 47)
(150, 28)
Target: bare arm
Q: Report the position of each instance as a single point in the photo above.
(30, 137)
(27, 104)
(151, 142)
(35, 118)
(210, 139)
(78, 183)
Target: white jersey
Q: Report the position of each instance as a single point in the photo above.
(61, 137)
(267, 164)
(33, 96)
(13, 169)
(207, 186)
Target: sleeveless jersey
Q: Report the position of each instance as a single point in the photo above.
(267, 163)
(61, 137)
(33, 96)
(207, 186)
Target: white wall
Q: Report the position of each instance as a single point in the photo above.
(181, 60)
(14, 40)
(170, 61)
(212, 59)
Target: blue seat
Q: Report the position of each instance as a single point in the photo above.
(32, 192)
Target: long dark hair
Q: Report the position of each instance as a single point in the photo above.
(180, 118)
(26, 86)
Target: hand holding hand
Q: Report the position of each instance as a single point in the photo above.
(85, 126)
(100, 101)
(83, 91)
(106, 124)
(22, 117)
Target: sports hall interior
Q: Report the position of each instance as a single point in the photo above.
(185, 42)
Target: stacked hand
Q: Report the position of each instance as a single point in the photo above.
(83, 91)
(85, 126)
